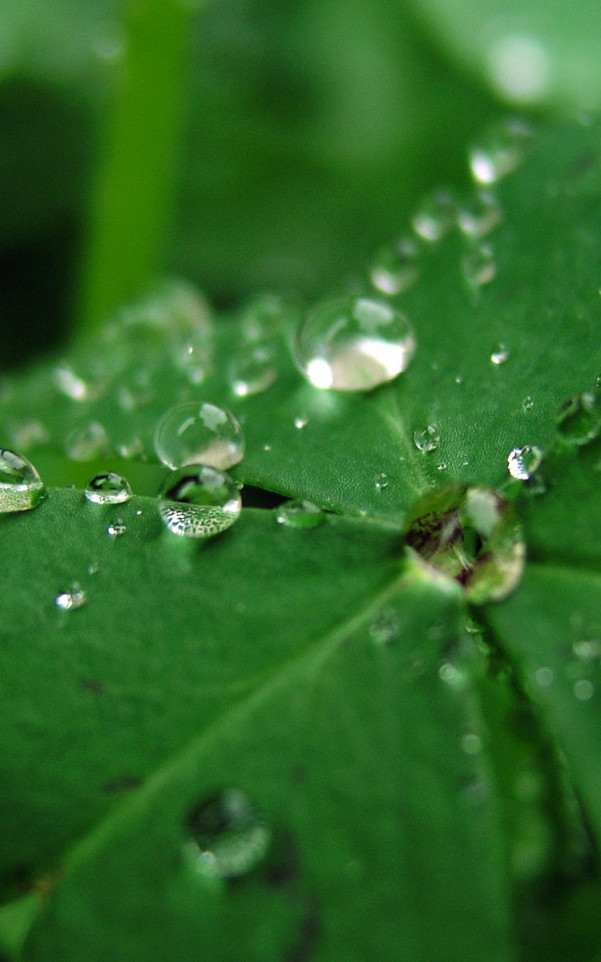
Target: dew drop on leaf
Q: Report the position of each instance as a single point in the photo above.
(523, 462)
(254, 370)
(116, 529)
(227, 837)
(72, 598)
(583, 689)
(427, 439)
(385, 628)
(354, 344)
(263, 316)
(435, 216)
(587, 649)
(108, 488)
(469, 534)
(299, 514)
(301, 422)
(480, 215)
(395, 267)
(478, 265)
(381, 481)
(528, 403)
(86, 442)
(199, 501)
(21, 487)
(70, 384)
(501, 150)
(499, 354)
(192, 433)
(579, 419)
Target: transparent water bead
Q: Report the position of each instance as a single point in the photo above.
(427, 439)
(299, 514)
(381, 481)
(469, 534)
(478, 265)
(190, 433)
(480, 214)
(116, 528)
(501, 150)
(71, 598)
(263, 316)
(199, 501)
(499, 355)
(21, 487)
(86, 442)
(354, 344)
(254, 370)
(226, 835)
(522, 463)
(109, 488)
(579, 419)
(395, 267)
(435, 216)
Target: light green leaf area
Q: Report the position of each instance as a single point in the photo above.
(532, 52)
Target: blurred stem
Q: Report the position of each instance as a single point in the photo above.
(137, 168)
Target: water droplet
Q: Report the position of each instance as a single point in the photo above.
(109, 488)
(87, 442)
(519, 68)
(385, 628)
(478, 265)
(523, 462)
(427, 439)
(544, 677)
(21, 487)
(116, 529)
(299, 514)
(501, 150)
(354, 344)
(579, 420)
(480, 215)
(471, 744)
(395, 267)
(71, 598)
(199, 501)
(263, 316)
(191, 434)
(28, 434)
(528, 403)
(227, 836)
(300, 423)
(451, 675)
(435, 216)
(381, 481)
(70, 384)
(584, 689)
(441, 467)
(499, 355)
(267, 447)
(254, 370)
(587, 649)
(471, 535)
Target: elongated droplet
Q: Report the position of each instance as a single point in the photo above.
(523, 462)
(396, 266)
(579, 420)
(354, 344)
(109, 488)
(71, 598)
(192, 433)
(21, 487)
(226, 835)
(299, 514)
(502, 148)
(199, 501)
(471, 535)
(435, 216)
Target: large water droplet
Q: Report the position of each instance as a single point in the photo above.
(299, 514)
(523, 462)
(21, 487)
(471, 535)
(579, 420)
(109, 488)
(199, 501)
(480, 214)
(354, 344)
(227, 836)
(254, 370)
(395, 267)
(190, 433)
(71, 598)
(427, 439)
(501, 150)
(435, 216)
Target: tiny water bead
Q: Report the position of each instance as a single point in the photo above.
(299, 514)
(528, 403)
(435, 216)
(254, 370)
(522, 463)
(385, 628)
(227, 837)
(109, 488)
(499, 355)
(501, 150)
(478, 265)
(427, 439)
(381, 481)
(395, 267)
(87, 442)
(579, 419)
(199, 501)
(190, 433)
(354, 344)
(72, 598)
(469, 534)
(116, 529)
(479, 215)
(21, 487)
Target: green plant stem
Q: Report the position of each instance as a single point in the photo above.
(134, 187)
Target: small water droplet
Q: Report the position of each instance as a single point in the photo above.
(587, 649)
(385, 628)
(528, 403)
(116, 528)
(522, 463)
(71, 598)
(458, 379)
(441, 467)
(109, 488)
(93, 568)
(480, 215)
(471, 744)
(471, 535)
(354, 344)
(395, 267)
(190, 433)
(499, 354)
(381, 481)
(70, 384)
(579, 420)
(227, 836)
(583, 689)
(435, 216)
(519, 67)
(478, 265)
(501, 150)
(300, 423)
(263, 316)
(87, 442)
(28, 434)
(267, 447)
(299, 514)
(427, 439)
(254, 370)
(199, 501)
(451, 675)
(544, 677)
(21, 487)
